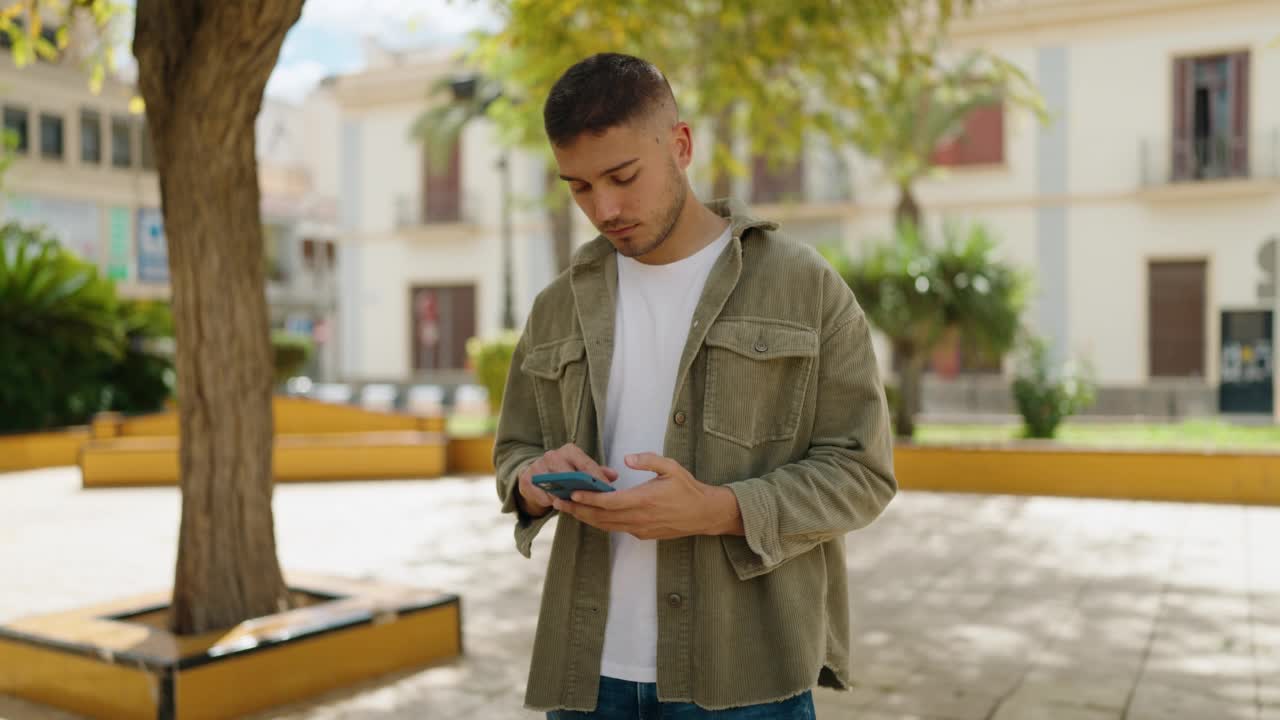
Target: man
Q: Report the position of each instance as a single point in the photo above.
(723, 380)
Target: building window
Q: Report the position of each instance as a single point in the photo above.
(51, 136)
(443, 318)
(1176, 318)
(776, 182)
(442, 186)
(1211, 117)
(318, 255)
(90, 137)
(121, 142)
(979, 142)
(15, 122)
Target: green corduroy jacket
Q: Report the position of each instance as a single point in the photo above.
(777, 397)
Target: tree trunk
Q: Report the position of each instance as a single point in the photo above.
(908, 210)
(560, 219)
(910, 380)
(721, 180)
(203, 66)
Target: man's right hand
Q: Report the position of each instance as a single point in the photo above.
(535, 500)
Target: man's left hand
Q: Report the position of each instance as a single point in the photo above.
(671, 505)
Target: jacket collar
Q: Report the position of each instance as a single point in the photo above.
(593, 276)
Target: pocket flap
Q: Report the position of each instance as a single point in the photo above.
(762, 340)
(549, 361)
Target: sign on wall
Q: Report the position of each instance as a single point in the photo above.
(119, 246)
(153, 252)
(1247, 364)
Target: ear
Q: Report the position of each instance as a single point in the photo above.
(682, 144)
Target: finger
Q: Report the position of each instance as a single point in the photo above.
(617, 500)
(605, 519)
(653, 462)
(611, 475)
(582, 461)
(601, 519)
(536, 467)
(557, 462)
(531, 492)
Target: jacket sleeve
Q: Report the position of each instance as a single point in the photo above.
(518, 443)
(845, 479)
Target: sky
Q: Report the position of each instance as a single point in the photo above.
(329, 38)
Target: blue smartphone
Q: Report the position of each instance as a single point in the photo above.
(563, 484)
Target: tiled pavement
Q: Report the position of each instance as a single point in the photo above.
(964, 607)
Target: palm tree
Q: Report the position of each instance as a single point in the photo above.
(910, 100)
(917, 294)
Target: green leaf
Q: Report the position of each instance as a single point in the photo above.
(46, 49)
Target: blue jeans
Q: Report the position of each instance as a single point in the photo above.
(626, 700)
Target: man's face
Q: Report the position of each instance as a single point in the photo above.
(630, 181)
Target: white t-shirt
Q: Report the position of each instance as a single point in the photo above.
(654, 309)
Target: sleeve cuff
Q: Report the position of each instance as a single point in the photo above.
(760, 550)
(526, 526)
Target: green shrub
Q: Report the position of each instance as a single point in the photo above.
(1046, 396)
(69, 348)
(144, 378)
(292, 351)
(491, 360)
(60, 333)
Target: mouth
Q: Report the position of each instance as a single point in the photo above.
(622, 232)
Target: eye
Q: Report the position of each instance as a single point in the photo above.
(627, 181)
(579, 189)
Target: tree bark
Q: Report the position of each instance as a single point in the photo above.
(203, 66)
(560, 219)
(907, 209)
(910, 382)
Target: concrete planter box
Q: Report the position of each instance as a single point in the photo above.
(117, 660)
(1049, 468)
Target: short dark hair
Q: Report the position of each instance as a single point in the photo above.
(602, 92)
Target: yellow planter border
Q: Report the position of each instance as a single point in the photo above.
(97, 662)
(31, 451)
(124, 462)
(471, 454)
(1241, 477)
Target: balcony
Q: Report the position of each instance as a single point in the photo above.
(1210, 166)
(450, 218)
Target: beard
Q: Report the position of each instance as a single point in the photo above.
(664, 220)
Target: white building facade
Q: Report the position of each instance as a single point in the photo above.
(1147, 211)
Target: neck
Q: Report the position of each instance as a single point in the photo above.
(696, 227)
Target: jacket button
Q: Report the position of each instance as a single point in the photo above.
(680, 418)
(674, 600)
(761, 346)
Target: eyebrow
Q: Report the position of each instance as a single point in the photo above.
(611, 170)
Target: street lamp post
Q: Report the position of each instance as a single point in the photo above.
(464, 90)
(508, 309)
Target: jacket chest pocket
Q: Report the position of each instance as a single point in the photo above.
(757, 380)
(559, 372)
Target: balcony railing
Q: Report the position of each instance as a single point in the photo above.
(1212, 157)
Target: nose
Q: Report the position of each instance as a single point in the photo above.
(608, 206)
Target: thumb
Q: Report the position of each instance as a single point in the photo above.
(652, 462)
